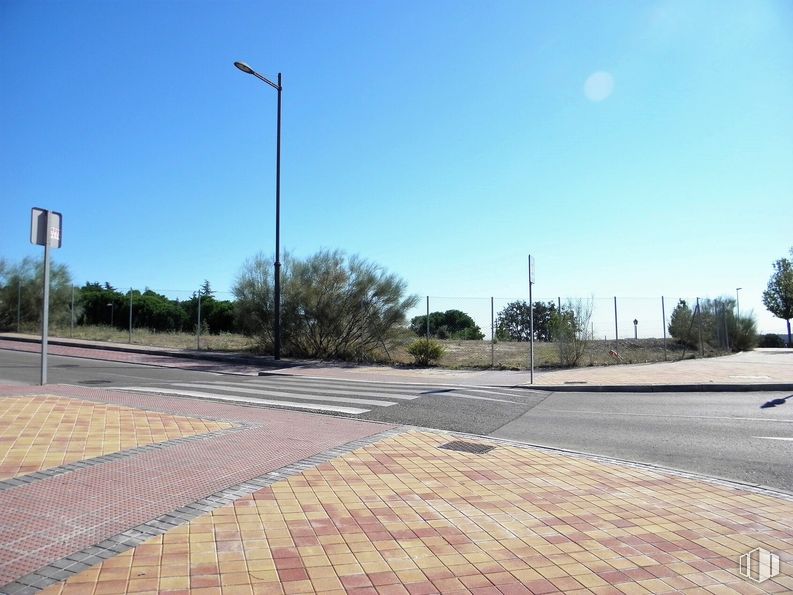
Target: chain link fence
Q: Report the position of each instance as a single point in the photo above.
(618, 329)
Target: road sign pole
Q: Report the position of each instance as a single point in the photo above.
(45, 230)
(531, 322)
(45, 316)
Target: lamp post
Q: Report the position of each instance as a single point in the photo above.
(277, 264)
(738, 301)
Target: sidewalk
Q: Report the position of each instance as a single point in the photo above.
(109, 492)
(761, 369)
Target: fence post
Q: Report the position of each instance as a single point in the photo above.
(428, 318)
(699, 326)
(198, 328)
(492, 336)
(726, 330)
(130, 315)
(19, 301)
(663, 319)
(616, 328)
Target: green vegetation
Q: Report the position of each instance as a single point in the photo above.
(425, 352)
(334, 307)
(570, 327)
(720, 327)
(513, 322)
(452, 324)
(101, 304)
(778, 297)
(770, 340)
(22, 291)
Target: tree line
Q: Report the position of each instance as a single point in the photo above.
(21, 294)
(344, 307)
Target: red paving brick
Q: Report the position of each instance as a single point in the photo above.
(45, 521)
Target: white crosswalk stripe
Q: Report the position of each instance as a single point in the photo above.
(320, 394)
(279, 403)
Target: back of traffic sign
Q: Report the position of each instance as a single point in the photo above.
(45, 231)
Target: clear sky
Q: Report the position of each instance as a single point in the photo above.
(635, 148)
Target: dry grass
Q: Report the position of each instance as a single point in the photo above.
(515, 356)
(222, 342)
(458, 354)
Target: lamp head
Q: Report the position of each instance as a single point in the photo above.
(244, 67)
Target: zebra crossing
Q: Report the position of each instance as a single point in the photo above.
(320, 394)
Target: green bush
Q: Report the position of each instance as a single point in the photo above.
(771, 340)
(425, 351)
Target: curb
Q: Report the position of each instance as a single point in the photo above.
(655, 388)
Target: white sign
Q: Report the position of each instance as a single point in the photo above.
(45, 230)
(531, 269)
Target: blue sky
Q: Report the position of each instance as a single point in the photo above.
(444, 140)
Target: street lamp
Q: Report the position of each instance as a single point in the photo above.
(737, 302)
(277, 264)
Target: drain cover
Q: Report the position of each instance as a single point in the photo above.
(472, 447)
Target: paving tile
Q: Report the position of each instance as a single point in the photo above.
(402, 515)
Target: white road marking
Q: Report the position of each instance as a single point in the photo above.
(333, 391)
(252, 391)
(610, 413)
(204, 395)
(774, 438)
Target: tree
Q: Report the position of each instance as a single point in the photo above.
(571, 330)
(721, 328)
(452, 324)
(333, 306)
(512, 323)
(217, 316)
(22, 291)
(206, 290)
(681, 325)
(97, 301)
(778, 298)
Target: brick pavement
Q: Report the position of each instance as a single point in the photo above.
(46, 516)
(399, 515)
(403, 516)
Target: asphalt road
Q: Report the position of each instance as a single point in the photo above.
(728, 435)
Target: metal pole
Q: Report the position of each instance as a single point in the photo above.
(71, 325)
(531, 329)
(198, 332)
(663, 319)
(277, 264)
(130, 315)
(616, 328)
(737, 302)
(45, 314)
(699, 326)
(492, 336)
(19, 301)
(277, 322)
(428, 318)
(726, 330)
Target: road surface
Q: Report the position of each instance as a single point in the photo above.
(728, 435)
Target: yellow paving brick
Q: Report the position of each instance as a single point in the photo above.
(33, 431)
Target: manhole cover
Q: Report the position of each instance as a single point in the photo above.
(472, 447)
